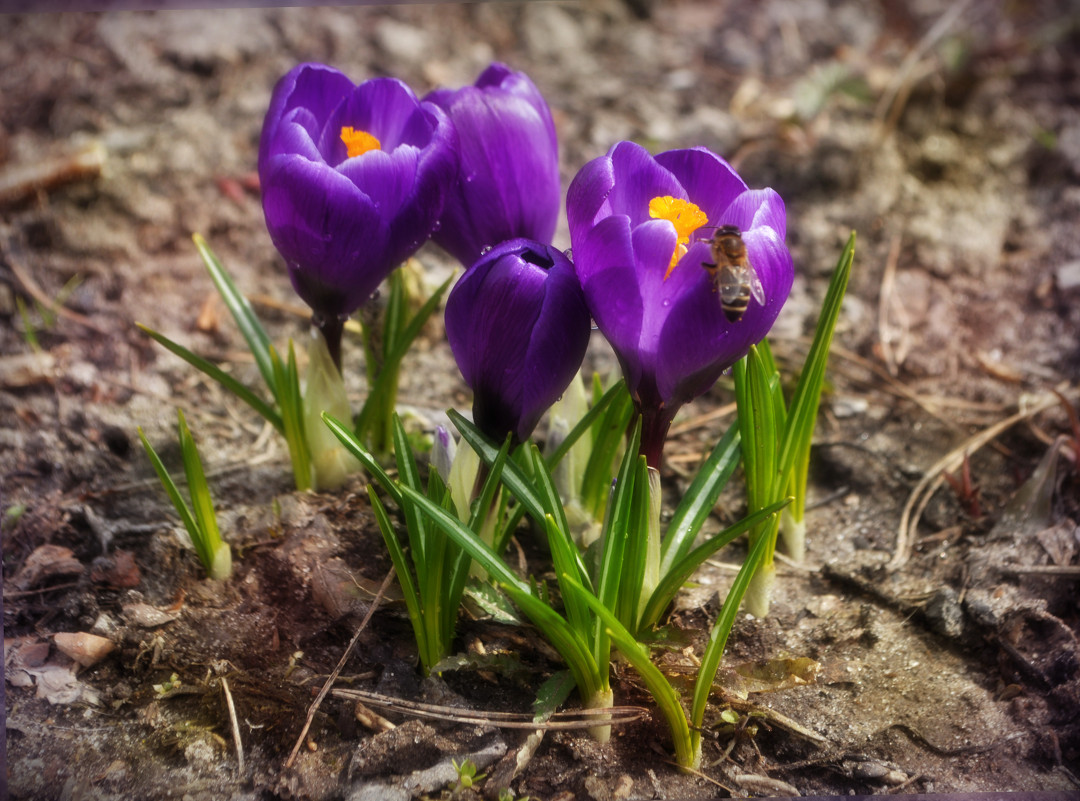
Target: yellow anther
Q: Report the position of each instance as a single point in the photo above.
(684, 215)
(358, 142)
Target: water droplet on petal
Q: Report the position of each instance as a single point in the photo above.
(485, 250)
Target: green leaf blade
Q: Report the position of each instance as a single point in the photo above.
(700, 498)
(217, 374)
(250, 327)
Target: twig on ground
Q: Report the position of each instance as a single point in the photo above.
(569, 719)
(235, 726)
(337, 670)
(1066, 571)
(934, 478)
(21, 181)
(33, 290)
(889, 301)
(895, 97)
(702, 419)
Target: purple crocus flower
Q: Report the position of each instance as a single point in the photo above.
(518, 326)
(640, 227)
(508, 175)
(353, 181)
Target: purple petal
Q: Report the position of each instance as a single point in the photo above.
(708, 180)
(639, 179)
(296, 134)
(508, 185)
(556, 349)
(385, 108)
(389, 179)
(757, 207)
(329, 232)
(587, 197)
(698, 342)
(315, 87)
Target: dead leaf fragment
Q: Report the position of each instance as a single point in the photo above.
(86, 649)
(147, 616)
(46, 562)
(119, 570)
(208, 319)
(27, 370)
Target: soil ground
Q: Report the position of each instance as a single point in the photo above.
(947, 135)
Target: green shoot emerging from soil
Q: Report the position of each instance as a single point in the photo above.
(199, 518)
(776, 438)
(318, 461)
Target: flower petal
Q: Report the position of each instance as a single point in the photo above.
(557, 347)
(518, 326)
(329, 232)
(757, 207)
(639, 178)
(385, 108)
(586, 199)
(508, 183)
(708, 180)
(316, 88)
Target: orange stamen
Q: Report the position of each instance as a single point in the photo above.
(358, 142)
(684, 215)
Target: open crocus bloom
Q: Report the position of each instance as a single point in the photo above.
(508, 173)
(353, 181)
(518, 327)
(640, 227)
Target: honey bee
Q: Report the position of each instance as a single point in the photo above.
(732, 274)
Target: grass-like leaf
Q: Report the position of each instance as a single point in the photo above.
(516, 481)
(567, 563)
(638, 656)
(637, 557)
(250, 327)
(373, 424)
(718, 637)
(609, 430)
(286, 379)
(679, 573)
(200, 522)
(216, 373)
(364, 456)
(700, 499)
(413, 604)
(617, 523)
(555, 628)
(799, 429)
(586, 423)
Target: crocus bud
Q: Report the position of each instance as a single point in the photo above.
(662, 273)
(518, 327)
(508, 171)
(353, 180)
(443, 449)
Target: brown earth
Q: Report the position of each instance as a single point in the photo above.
(947, 135)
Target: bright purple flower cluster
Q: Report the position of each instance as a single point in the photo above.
(356, 178)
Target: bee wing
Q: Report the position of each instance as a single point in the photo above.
(756, 289)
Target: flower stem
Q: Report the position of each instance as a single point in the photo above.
(331, 328)
(655, 422)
